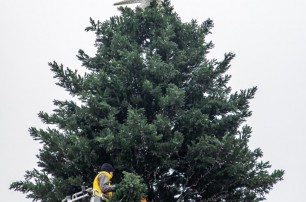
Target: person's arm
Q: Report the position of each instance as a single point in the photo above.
(104, 184)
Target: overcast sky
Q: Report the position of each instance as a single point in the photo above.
(268, 37)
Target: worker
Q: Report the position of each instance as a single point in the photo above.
(102, 188)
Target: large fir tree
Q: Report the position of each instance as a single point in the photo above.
(153, 104)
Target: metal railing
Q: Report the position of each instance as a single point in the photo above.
(79, 195)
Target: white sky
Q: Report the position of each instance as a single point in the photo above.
(268, 37)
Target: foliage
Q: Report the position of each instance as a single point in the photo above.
(131, 188)
(153, 104)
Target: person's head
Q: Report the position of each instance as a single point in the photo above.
(108, 168)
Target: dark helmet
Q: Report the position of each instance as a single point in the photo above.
(107, 167)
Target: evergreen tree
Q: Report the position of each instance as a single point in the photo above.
(131, 188)
(153, 104)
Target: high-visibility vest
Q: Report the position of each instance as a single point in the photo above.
(96, 187)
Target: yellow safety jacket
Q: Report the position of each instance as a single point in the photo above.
(96, 187)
